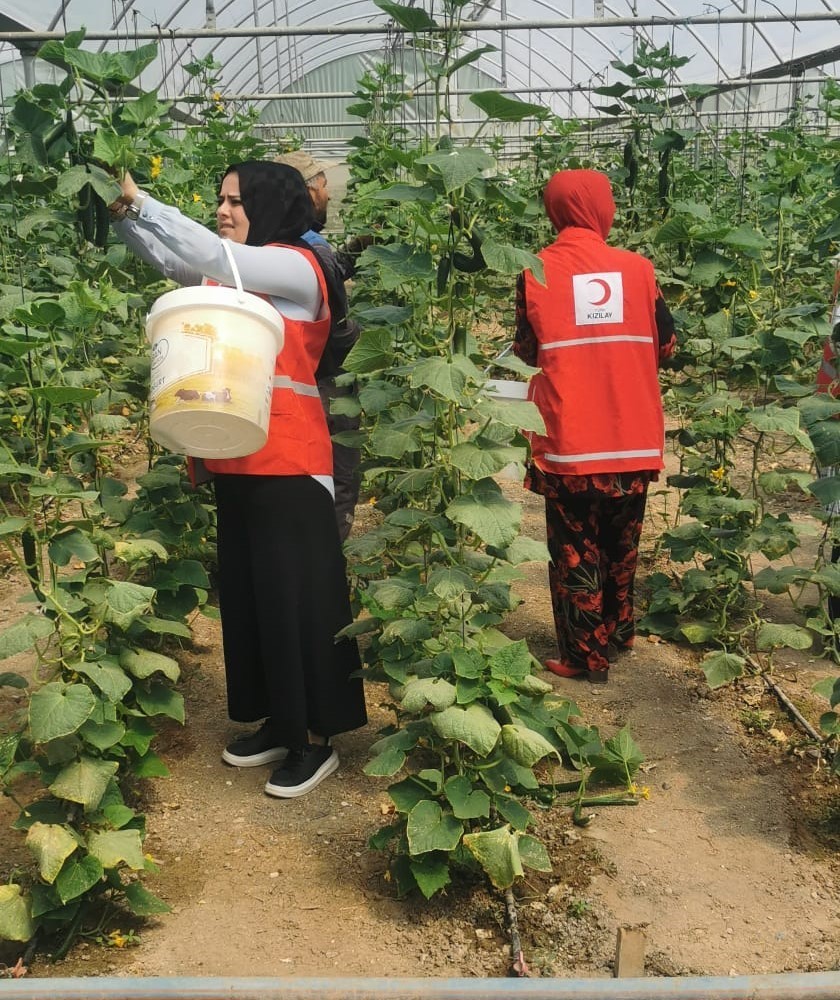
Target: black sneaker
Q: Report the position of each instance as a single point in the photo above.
(301, 771)
(254, 749)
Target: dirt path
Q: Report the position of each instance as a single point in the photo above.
(724, 866)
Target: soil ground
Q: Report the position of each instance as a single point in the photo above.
(729, 867)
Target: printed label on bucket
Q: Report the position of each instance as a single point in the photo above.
(179, 356)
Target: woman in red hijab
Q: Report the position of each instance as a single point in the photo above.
(597, 329)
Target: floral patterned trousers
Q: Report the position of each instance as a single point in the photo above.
(593, 534)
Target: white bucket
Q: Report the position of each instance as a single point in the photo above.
(213, 356)
(503, 388)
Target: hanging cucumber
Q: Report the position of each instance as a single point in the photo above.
(443, 270)
(103, 221)
(465, 262)
(86, 213)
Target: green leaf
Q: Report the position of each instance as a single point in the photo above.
(115, 847)
(429, 828)
(524, 745)
(497, 852)
(108, 676)
(480, 460)
(722, 668)
(59, 709)
(521, 414)
(143, 903)
(473, 725)
(447, 378)
(84, 781)
(161, 700)
(16, 922)
(523, 550)
(79, 875)
(422, 194)
(487, 513)
(13, 525)
(772, 418)
(506, 259)
(772, 636)
(533, 853)
(415, 19)
(150, 766)
(51, 845)
(102, 735)
(385, 764)
(24, 634)
(746, 238)
(431, 873)
(372, 352)
(457, 167)
(467, 802)
(126, 602)
(498, 107)
(697, 632)
(513, 811)
(434, 691)
(143, 663)
(72, 543)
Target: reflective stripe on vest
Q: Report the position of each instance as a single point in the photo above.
(597, 456)
(298, 388)
(577, 342)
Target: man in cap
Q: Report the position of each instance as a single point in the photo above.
(344, 332)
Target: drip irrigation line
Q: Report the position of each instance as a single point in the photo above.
(519, 967)
(789, 706)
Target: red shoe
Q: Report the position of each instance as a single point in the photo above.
(563, 669)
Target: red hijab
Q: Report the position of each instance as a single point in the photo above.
(580, 198)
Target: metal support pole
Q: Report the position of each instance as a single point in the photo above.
(792, 986)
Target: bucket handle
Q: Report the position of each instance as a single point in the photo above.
(240, 291)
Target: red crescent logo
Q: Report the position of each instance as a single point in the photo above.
(605, 289)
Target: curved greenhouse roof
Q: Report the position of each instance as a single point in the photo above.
(755, 54)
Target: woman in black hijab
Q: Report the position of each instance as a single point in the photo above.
(283, 592)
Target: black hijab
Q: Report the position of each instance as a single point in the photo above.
(275, 200)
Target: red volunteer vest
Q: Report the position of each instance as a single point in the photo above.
(827, 373)
(598, 349)
(298, 439)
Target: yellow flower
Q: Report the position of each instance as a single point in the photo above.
(645, 792)
(372, 501)
(717, 475)
(17, 420)
(729, 283)
(217, 96)
(197, 197)
(724, 311)
(117, 939)
(154, 170)
(753, 295)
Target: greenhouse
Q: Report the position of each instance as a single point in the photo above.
(419, 530)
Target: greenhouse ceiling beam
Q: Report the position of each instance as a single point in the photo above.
(16, 37)
(317, 95)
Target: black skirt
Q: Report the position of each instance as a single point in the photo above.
(283, 597)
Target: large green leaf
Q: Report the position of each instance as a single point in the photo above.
(421, 193)
(431, 873)
(722, 668)
(79, 875)
(429, 828)
(143, 903)
(72, 543)
(478, 459)
(533, 854)
(434, 691)
(447, 378)
(145, 662)
(415, 19)
(371, 352)
(524, 745)
(497, 851)
(58, 709)
(16, 922)
(521, 414)
(115, 847)
(457, 167)
(24, 634)
(473, 725)
(126, 602)
(52, 845)
(772, 636)
(450, 583)
(485, 511)
(506, 259)
(507, 109)
(84, 781)
(158, 699)
(467, 802)
(108, 676)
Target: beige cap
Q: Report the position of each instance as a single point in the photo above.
(305, 165)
